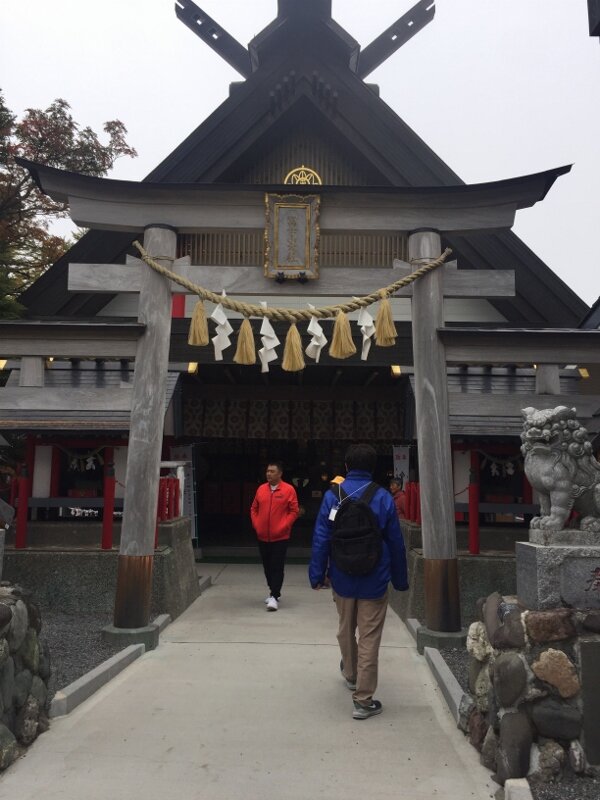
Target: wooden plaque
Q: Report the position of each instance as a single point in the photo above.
(292, 236)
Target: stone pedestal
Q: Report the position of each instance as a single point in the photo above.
(559, 568)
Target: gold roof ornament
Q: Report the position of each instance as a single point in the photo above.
(303, 176)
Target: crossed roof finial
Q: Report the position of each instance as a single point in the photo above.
(239, 56)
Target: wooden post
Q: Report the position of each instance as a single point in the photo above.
(24, 482)
(134, 580)
(442, 599)
(109, 499)
(474, 504)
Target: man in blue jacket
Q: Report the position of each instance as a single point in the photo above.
(361, 601)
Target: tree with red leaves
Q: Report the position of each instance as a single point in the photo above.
(27, 245)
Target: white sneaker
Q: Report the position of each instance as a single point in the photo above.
(267, 599)
(272, 604)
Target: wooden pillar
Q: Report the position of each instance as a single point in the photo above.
(108, 493)
(474, 479)
(134, 580)
(442, 600)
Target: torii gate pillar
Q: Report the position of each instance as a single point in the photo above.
(134, 581)
(442, 598)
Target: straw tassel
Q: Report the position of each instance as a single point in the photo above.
(293, 357)
(385, 329)
(246, 351)
(342, 345)
(198, 333)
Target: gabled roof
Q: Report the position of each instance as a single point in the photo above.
(306, 71)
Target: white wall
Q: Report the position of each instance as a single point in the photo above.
(42, 470)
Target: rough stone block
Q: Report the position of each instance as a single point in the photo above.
(556, 720)
(510, 678)
(591, 621)
(555, 667)
(478, 645)
(550, 626)
(478, 729)
(489, 750)
(590, 672)
(567, 537)
(8, 747)
(514, 747)
(554, 576)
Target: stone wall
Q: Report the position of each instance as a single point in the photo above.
(84, 579)
(478, 576)
(24, 673)
(533, 680)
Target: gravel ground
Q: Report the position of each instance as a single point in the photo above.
(572, 788)
(458, 661)
(75, 644)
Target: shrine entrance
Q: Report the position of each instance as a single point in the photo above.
(237, 426)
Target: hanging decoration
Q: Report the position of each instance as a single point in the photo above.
(267, 352)
(83, 462)
(221, 340)
(342, 345)
(318, 341)
(246, 351)
(198, 334)
(270, 342)
(293, 357)
(367, 328)
(385, 329)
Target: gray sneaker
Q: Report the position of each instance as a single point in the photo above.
(364, 712)
(349, 684)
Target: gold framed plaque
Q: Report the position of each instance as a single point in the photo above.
(292, 236)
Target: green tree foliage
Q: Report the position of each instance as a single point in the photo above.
(52, 137)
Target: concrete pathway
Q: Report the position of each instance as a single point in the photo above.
(241, 704)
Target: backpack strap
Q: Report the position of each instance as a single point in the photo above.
(342, 495)
(369, 492)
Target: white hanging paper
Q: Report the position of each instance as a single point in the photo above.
(221, 340)
(267, 352)
(367, 328)
(318, 341)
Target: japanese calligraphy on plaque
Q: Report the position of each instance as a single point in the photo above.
(292, 236)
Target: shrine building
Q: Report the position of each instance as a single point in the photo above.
(302, 126)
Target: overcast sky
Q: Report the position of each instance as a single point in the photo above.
(498, 88)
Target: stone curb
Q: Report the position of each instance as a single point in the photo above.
(71, 696)
(517, 789)
(514, 788)
(413, 626)
(204, 583)
(451, 688)
(65, 700)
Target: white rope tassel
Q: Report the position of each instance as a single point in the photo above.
(367, 328)
(221, 340)
(270, 342)
(318, 341)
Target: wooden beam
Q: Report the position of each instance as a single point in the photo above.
(45, 398)
(332, 281)
(31, 371)
(131, 206)
(69, 339)
(520, 346)
(510, 405)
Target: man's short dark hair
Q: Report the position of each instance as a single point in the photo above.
(361, 456)
(277, 464)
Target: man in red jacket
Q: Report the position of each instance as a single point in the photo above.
(273, 512)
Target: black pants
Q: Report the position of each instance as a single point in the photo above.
(273, 559)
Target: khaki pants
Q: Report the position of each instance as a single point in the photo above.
(361, 658)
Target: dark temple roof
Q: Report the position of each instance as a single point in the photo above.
(305, 70)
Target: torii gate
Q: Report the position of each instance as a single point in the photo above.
(163, 210)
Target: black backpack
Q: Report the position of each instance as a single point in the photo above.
(356, 539)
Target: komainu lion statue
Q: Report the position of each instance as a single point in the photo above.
(560, 464)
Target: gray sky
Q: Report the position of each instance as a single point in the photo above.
(498, 88)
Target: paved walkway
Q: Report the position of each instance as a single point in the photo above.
(241, 704)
